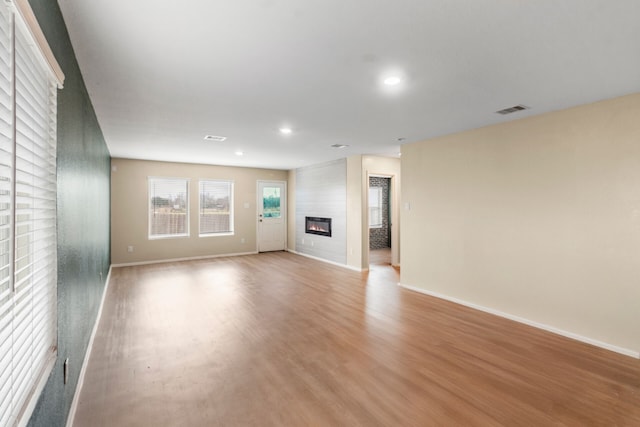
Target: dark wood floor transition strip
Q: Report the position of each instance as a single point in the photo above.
(278, 339)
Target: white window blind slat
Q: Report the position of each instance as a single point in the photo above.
(5, 322)
(5, 284)
(5, 93)
(5, 132)
(5, 385)
(4, 42)
(5, 356)
(6, 158)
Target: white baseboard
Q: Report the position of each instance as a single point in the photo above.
(359, 270)
(193, 258)
(606, 346)
(87, 354)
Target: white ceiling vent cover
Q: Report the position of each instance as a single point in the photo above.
(215, 138)
(513, 109)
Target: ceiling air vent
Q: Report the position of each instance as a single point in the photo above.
(339, 146)
(513, 109)
(215, 138)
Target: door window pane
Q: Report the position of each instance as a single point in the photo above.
(271, 202)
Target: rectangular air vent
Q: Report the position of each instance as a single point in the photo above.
(215, 138)
(513, 109)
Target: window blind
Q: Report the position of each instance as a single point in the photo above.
(28, 259)
(216, 207)
(6, 174)
(168, 207)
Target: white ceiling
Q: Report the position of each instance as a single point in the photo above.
(163, 74)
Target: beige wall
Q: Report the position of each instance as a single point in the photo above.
(538, 218)
(355, 214)
(129, 210)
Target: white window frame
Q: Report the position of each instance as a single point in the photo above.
(230, 231)
(375, 193)
(151, 194)
(28, 247)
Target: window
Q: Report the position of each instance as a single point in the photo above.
(29, 78)
(271, 202)
(168, 207)
(216, 207)
(375, 207)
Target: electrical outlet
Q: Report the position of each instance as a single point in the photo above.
(303, 241)
(66, 370)
(129, 249)
(242, 240)
(312, 243)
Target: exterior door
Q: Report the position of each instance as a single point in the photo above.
(272, 221)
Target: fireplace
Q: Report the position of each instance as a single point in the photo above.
(317, 225)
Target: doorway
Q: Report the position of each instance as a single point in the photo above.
(380, 224)
(272, 216)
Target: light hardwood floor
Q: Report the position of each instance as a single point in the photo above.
(380, 256)
(277, 339)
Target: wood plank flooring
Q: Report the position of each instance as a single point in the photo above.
(380, 256)
(277, 339)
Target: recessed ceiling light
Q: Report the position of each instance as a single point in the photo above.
(392, 80)
(214, 138)
(285, 131)
(239, 153)
(339, 146)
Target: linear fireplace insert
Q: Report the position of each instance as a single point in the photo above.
(317, 225)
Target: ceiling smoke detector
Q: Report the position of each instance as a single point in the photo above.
(214, 138)
(513, 109)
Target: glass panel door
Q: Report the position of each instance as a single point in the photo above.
(272, 213)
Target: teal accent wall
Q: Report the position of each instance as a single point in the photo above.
(84, 168)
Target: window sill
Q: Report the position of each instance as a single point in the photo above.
(169, 236)
(226, 233)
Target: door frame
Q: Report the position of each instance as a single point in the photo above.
(393, 217)
(283, 209)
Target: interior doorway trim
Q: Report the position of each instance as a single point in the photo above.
(393, 217)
